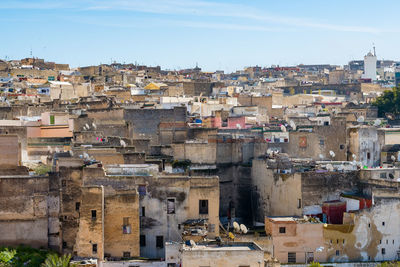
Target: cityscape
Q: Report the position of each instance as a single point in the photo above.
(139, 164)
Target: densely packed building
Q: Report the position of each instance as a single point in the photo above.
(130, 165)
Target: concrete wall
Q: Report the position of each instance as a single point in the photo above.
(23, 211)
(276, 194)
(10, 150)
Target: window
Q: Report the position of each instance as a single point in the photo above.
(341, 146)
(368, 155)
(171, 264)
(380, 241)
(94, 215)
(321, 142)
(382, 175)
(63, 183)
(94, 248)
(142, 240)
(383, 251)
(282, 230)
(387, 241)
(142, 190)
(126, 227)
(52, 120)
(299, 203)
(369, 225)
(77, 206)
(310, 256)
(159, 241)
(291, 257)
(143, 212)
(337, 253)
(170, 206)
(126, 254)
(64, 244)
(203, 206)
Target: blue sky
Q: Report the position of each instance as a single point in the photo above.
(174, 34)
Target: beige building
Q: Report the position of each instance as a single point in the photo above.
(230, 254)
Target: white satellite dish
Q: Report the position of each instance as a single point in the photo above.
(292, 124)
(321, 156)
(122, 142)
(393, 158)
(283, 128)
(94, 126)
(87, 126)
(243, 229)
(332, 153)
(360, 119)
(329, 167)
(377, 122)
(236, 227)
(192, 243)
(354, 156)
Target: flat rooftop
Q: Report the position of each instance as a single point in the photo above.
(237, 246)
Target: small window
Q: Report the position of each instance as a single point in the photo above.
(343, 241)
(387, 241)
(291, 257)
(368, 155)
(77, 206)
(299, 203)
(322, 142)
(170, 206)
(64, 244)
(143, 212)
(380, 241)
(63, 183)
(337, 241)
(142, 190)
(142, 240)
(171, 264)
(341, 147)
(94, 214)
(203, 206)
(52, 120)
(337, 253)
(382, 175)
(94, 248)
(369, 225)
(282, 230)
(126, 227)
(126, 254)
(383, 251)
(393, 241)
(159, 241)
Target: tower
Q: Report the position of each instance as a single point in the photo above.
(370, 66)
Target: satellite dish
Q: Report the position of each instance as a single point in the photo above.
(94, 126)
(354, 156)
(360, 119)
(283, 128)
(122, 142)
(329, 167)
(236, 227)
(332, 153)
(192, 243)
(321, 156)
(87, 126)
(377, 122)
(243, 229)
(292, 124)
(393, 158)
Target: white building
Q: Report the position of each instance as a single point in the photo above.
(370, 66)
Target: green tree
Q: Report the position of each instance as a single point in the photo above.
(53, 260)
(388, 102)
(389, 264)
(6, 257)
(315, 264)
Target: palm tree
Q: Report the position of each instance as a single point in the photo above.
(53, 260)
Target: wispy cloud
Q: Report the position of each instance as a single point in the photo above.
(242, 15)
